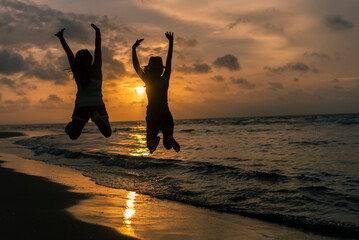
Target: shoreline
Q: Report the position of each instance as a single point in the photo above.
(34, 208)
(143, 216)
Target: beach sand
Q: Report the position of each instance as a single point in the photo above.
(34, 206)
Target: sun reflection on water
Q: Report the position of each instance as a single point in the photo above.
(128, 214)
(141, 150)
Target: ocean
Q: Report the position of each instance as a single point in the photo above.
(299, 171)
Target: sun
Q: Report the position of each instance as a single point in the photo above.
(140, 90)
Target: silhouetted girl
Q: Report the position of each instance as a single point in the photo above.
(88, 78)
(158, 114)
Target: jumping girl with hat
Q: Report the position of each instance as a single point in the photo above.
(158, 114)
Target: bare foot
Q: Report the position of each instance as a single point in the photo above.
(152, 144)
(175, 145)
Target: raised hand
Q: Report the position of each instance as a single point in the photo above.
(137, 43)
(169, 35)
(60, 33)
(95, 27)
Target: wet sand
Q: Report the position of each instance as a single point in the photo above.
(34, 208)
(10, 134)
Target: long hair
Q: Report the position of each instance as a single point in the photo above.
(82, 67)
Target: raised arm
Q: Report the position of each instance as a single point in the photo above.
(97, 63)
(66, 47)
(167, 72)
(135, 62)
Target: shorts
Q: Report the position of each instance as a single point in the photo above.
(85, 113)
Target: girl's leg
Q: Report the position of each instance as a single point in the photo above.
(152, 138)
(167, 129)
(74, 128)
(102, 124)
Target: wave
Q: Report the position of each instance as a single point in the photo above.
(187, 130)
(220, 186)
(342, 119)
(328, 228)
(316, 143)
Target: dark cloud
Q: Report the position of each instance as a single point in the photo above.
(52, 98)
(189, 89)
(243, 83)
(18, 86)
(14, 105)
(218, 78)
(23, 23)
(276, 85)
(271, 20)
(75, 30)
(53, 101)
(297, 66)
(8, 82)
(49, 68)
(227, 61)
(157, 50)
(186, 42)
(338, 23)
(112, 68)
(195, 68)
(11, 62)
(321, 56)
(296, 79)
(26, 25)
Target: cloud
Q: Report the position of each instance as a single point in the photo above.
(321, 56)
(7, 82)
(243, 83)
(24, 23)
(14, 105)
(276, 85)
(30, 27)
(75, 30)
(338, 23)
(227, 61)
(296, 79)
(189, 89)
(52, 98)
(186, 42)
(112, 68)
(11, 62)
(49, 68)
(296, 66)
(270, 21)
(195, 68)
(53, 101)
(218, 78)
(18, 86)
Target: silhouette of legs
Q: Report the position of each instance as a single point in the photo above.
(152, 138)
(102, 124)
(80, 117)
(74, 128)
(160, 120)
(167, 130)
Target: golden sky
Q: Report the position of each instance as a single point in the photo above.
(231, 57)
